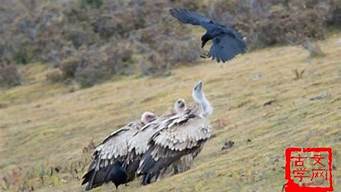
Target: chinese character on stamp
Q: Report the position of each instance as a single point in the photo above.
(308, 170)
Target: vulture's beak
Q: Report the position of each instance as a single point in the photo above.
(198, 86)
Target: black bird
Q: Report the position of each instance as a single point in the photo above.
(227, 42)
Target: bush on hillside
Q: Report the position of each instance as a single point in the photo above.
(266, 23)
(92, 65)
(55, 76)
(125, 37)
(153, 64)
(9, 76)
(69, 67)
(336, 16)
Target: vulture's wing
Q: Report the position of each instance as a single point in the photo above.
(115, 146)
(186, 16)
(109, 155)
(139, 142)
(138, 145)
(183, 135)
(226, 46)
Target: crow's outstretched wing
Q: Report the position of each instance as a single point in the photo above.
(227, 42)
(190, 17)
(226, 46)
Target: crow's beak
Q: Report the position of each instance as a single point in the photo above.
(203, 43)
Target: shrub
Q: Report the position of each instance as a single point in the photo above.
(266, 23)
(22, 56)
(336, 16)
(91, 75)
(55, 76)
(284, 27)
(9, 76)
(69, 66)
(118, 59)
(152, 64)
(169, 45)
(91, 3)
(313, 48)
(92, 65)
(178, 51)
(133, 34)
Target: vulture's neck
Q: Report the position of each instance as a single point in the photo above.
(206, 107)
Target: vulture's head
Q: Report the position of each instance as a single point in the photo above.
(179, 106)
(199, 97)
(148, 117)
(197, 92)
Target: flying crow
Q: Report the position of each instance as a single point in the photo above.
(227, 42)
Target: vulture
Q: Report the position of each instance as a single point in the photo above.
(227, 42)
(138, 144)
(176, 137)
(109, 156)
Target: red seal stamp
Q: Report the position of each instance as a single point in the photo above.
(308, 170)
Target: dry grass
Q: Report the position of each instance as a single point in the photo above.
(255, 96)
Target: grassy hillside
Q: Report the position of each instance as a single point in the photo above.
(258, 104)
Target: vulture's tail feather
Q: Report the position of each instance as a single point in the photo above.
(146, 164)
(131, 169)
(114, 173)
(146, 168)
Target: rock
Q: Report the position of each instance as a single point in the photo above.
(338, 42)
(322, 95)
(269, 102)
(227, 145)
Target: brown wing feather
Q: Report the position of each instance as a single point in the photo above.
(182, 134)
(115, 146)
(138, 145)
